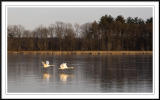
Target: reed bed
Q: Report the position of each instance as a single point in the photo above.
(83, 52)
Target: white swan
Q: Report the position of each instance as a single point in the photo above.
(45, 65)
(64, 66)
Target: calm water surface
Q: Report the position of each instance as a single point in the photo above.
(92, 74)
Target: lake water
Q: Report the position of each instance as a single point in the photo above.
(91, 74)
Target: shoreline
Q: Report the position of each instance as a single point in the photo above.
(82, 52)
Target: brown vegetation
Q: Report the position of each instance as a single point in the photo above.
(84, 52)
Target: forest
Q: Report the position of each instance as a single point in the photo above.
(107, 34)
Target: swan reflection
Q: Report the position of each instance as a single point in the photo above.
(46, 75)
(64, 77)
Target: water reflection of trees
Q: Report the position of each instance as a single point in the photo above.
(117, 73)
(21, 65)
(125, 74)
(90, 70)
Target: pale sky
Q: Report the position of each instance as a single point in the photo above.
(31, 18)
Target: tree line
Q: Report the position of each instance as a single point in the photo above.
(106, 34)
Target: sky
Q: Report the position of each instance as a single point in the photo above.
(31, 18)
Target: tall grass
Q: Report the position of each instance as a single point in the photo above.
(84, 52)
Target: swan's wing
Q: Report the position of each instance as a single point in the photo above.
(47, 62)
(61, 65)
(65, 65)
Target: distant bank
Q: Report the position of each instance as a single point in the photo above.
(84, 52)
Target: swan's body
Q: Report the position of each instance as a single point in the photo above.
(64, 66)
(45, 65)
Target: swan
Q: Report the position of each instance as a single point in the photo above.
(45, 65)
(64, 66)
